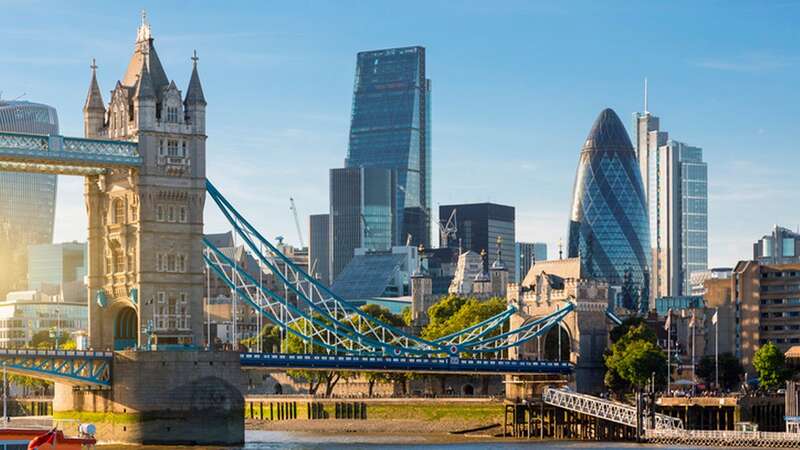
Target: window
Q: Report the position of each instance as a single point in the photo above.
(170, 263)
(171, 213)
(183, 149)
(161, 147)
(172, 114)
(181, 263)
(159, 262)
(788, 247)
(172, 147)
(159, 213)
(119, 211)
(182, 215)
(118, 258)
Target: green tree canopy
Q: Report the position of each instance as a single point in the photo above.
(447, 319)
(634, 358)
(384, 315)
(730, 370)
(631, 322)
(769, 363)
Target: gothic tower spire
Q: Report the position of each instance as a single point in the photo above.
(94, 110)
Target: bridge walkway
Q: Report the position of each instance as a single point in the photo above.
(604, 409)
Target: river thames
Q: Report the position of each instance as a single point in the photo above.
(268, 440)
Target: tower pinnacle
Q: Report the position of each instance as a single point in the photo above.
(143, 33)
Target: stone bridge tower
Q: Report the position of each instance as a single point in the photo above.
(146, 225)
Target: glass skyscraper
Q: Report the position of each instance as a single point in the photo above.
(608, 225)
(676, 189)
(27, 200)
(391, 128)
(361, 213)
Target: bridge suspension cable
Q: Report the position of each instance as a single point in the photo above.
(337, 323)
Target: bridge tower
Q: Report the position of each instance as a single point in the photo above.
(146, 224)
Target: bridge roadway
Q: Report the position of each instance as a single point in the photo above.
(402, 364)
(90, 368)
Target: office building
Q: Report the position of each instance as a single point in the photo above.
(377, 274)
(56, 264)
(27, 200)
(478, 227)
(767, 306)
(24, 314)
(525, 255)
(699, 278)
(608, 228)
(780, 247)
(675, 181)
(362, 213)
(391, 129)
(319, 247)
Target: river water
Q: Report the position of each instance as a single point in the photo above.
(269, 440)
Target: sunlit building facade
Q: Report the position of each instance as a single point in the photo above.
(27, 200)
(391, 128)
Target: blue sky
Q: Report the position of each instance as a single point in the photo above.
(516, 87)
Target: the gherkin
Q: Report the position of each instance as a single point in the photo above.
(608, 225)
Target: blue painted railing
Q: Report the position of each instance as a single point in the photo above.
(68, 366)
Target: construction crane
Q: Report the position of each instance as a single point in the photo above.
(296, 221)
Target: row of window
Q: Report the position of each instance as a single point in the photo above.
(780, 341)
(171, 213)
(780, 327)
(171, 262)
(780, 314)
(781, 301)
(172, 147)
(172, 311)
(778, 274)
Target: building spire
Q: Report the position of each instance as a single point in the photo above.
(194, 93)
(94, 99)
(143, 33)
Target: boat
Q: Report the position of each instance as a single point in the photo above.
(14, 437)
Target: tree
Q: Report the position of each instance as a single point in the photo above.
(622, 329)
(769, 363)
(453, 314)
(270, 337)
(315, 379)
(637, 361)
(633, 358)
(406, 314)
(730, 370)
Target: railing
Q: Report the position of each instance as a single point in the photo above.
(725, 438)
(65, 154)
(77, 367)
(392, 363)
(604, 409)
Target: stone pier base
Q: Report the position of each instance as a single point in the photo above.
(163, 397)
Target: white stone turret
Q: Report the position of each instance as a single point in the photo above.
(94, 110)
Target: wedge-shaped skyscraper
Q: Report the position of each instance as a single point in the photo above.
(608, 225)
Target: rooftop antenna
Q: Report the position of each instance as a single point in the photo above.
(645, 95)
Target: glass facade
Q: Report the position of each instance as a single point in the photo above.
(478, 225)
(56, 264)
(27, 200)
(780, 247)
(390, 128)
(608, 226)
(525, 254)
(694, 212)
(361, 213)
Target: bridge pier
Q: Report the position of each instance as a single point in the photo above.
(163, 397)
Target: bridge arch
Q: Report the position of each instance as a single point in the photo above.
(126, 326)
(557, 348)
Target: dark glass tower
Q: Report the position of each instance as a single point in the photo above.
(608, 226)
(390, 128)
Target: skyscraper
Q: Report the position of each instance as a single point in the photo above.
(676, 190)
(27, 200)
(478, 225)
(319, 247)
(782, 246)
(608, 225)
(391, 128)
(361, 213)
(525, 254)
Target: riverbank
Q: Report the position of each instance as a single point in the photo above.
(430, 417)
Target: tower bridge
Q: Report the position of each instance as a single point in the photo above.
(143, 161)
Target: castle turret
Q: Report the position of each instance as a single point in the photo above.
(498, 272)
(195, 102)
(144, 101)
(94, 110)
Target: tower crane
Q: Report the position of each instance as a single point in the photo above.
(296, 221)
